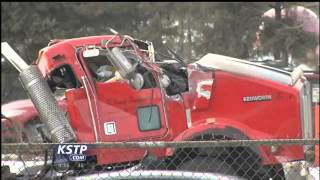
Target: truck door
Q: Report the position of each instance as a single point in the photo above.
(127, 114)
(124, 113)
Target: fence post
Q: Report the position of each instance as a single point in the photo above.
(317, 133)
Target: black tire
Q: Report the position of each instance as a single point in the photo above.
(257, 171)
(207, 164)
(249, 165)
(227, 161)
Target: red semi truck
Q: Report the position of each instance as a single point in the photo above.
(157, 100)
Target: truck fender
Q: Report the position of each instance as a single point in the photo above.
(218, 129)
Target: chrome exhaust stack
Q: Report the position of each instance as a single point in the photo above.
(40, 94)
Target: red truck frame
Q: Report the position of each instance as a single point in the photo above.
(219, 95)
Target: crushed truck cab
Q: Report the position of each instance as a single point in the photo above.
(155, 99)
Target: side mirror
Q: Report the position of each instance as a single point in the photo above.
(127, 69)
(121, 62)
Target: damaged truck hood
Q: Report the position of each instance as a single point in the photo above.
(246, 68)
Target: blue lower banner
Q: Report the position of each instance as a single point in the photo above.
(64, 154)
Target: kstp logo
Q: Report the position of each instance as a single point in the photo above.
(75, 152)
(72, 149)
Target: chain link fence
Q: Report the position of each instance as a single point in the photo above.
(223, 159)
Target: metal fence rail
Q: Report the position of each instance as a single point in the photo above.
(162, 144)
(222, 159)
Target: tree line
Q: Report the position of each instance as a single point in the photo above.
(192, 29)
